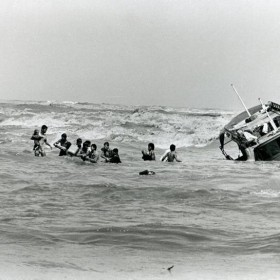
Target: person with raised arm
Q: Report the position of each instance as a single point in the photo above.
(150, 154)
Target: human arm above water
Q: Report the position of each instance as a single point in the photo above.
(176, 158)
(56, 144)
(47, 143)
(105, 153)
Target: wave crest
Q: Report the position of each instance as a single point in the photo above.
(162, 125)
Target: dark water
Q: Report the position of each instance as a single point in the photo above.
(62, 218)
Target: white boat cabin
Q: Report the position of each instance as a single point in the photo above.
(256, 132)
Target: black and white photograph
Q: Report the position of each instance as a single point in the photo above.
(139, 139)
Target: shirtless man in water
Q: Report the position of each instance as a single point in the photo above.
(84, 151)
(41, 139)
(63, 144)
(170, 155)
(93, 155)
(106, 152)
(75, 151)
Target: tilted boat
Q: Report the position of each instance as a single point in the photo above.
(256, 131)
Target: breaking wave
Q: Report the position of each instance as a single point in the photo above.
(162, 125)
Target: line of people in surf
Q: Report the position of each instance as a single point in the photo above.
(87, 151)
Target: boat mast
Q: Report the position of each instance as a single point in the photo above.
(241, 100)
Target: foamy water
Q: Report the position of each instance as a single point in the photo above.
(62, 218)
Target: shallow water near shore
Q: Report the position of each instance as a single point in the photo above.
(65, 218)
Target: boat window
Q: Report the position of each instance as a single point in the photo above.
(269, 151)
(277, 121)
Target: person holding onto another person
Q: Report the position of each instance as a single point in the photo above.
(63, 144)
(106, 152)
(41, 140)
(170, 155)
(150, 154)
(84, 151)
(93, 154)
(115, 158)
(75, 151)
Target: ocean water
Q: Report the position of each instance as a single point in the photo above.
(62, 218)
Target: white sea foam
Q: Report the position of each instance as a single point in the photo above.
(183, 126)
(267, 193)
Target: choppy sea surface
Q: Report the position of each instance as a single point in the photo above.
(62, 218)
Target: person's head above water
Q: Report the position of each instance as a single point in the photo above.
(63, 135)
(44, 128)
(115, 151)
(79, 141)
(93, 147)
(172, 147)
(86, 143)
(106, 145)
(151, 146)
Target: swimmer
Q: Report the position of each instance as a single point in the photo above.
(150, 154)
(170, 155)
(63, 144)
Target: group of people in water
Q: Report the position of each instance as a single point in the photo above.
(88, 151)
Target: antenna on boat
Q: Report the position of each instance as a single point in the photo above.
(241, 100)
(270, 119)
(263, 106)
